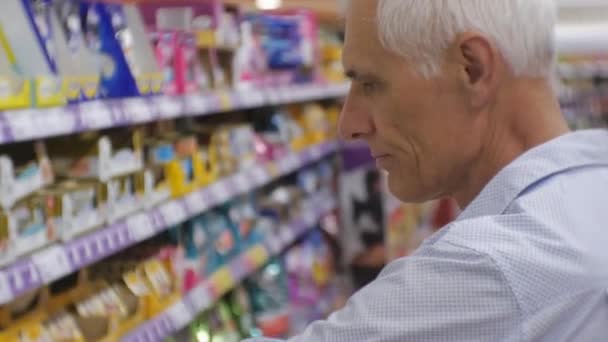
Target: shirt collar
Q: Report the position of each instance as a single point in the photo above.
(573, 150)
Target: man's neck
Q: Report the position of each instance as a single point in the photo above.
(526, 114)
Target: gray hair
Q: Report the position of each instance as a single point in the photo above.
(421, 30)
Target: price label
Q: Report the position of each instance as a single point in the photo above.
(196, 104)
(200, 298)
(273, 169)
(96, 114)
(221, 191)
(257, 256)
(316, 153)
(55, 121)
(173, 213)
(6, 294)
(260, 176)
(179, 315)
(140, 226)
(52, 263)
(288, 235)
(222, 281)
(169, 107)
(23, 124)
(195, 202)
(275, 244)
(311, 216)
(137, 110)
(242, 182)
(293, 162)
(225, 101)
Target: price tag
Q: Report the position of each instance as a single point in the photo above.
(273, 169)
(5, 289)
(225, 101)
(316, 153)
(196, 104)
(179, 315)
(275, 244)
(195, 202)
(200, 298)
(52, 263)
(160, 327)
(288, 235)
(23, 124)
(137, 110)
(221, 191)
(222, 281)
(169, 107)
(173, 213)
(260, 176)
(96, 114)
(311, 216)
(293, 162)
(242, 182)
(55, 121)
(140, 226)
(257, 256)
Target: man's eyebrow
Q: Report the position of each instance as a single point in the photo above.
(354, 75)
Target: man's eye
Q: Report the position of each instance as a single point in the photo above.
(368, 87)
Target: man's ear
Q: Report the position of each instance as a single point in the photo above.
(477, 57)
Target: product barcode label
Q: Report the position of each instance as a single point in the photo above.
(140, 226)
(52, 263)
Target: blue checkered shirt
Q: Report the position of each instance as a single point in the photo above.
(527, 260)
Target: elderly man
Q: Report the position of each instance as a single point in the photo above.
(455, 98)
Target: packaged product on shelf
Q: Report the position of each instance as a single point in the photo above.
(191, 258)
(240, 306)
(192, 168)
(222, 325)
(331, 56)
(311, 117)
(115, 160)
(85, 69)
(164, 290)
(23, 172)
(22, 318)
(249, 64)
(63, 327)
(216, 324)
(15, 86)
(116, 34)
(289, 39)
(234, 146)
(28, 226)
(283, 204)
(79, 207)
(270, 299)
(177, 54)
(123, 196)
(225, 237)
(94, 156)
(243, 213)
(29, 29)
(110, 313)
(310, 267)
(159, 154)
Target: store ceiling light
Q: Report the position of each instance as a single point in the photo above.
(268, 4)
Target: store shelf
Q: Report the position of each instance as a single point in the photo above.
(57, 261)
(202, 297)
(30, 124)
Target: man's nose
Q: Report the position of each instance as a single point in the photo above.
(355, 120)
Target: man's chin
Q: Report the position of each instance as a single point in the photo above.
(406, 192)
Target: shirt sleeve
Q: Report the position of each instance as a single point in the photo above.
(442, 293)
